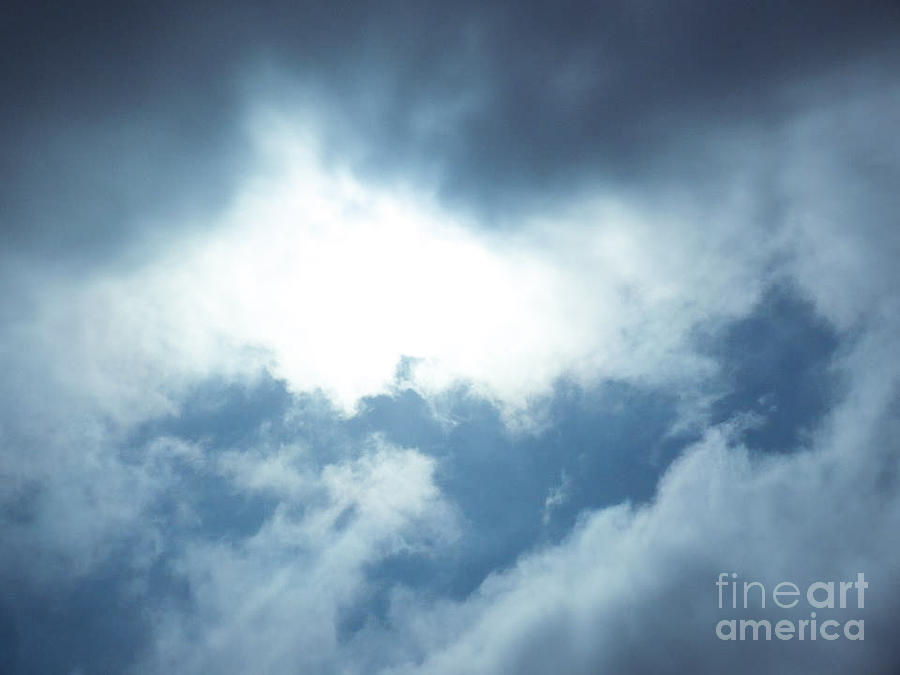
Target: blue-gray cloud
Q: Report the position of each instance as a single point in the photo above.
(641, 262)
(610, 442)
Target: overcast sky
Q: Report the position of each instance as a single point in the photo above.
(447, 338)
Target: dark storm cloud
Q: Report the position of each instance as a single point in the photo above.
(118, 116)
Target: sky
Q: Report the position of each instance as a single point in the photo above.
(449, 338)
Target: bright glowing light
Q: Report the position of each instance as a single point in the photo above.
(330, 282)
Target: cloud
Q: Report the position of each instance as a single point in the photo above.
(282, 287)
(275, 601)
(556, 497)
(633, 589)
(331, 283)
(129, 118)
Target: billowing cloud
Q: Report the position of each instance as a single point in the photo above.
(445, 339)
(281, 592)
(633, 589)
(331, 283)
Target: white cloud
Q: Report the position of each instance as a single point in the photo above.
(556, 497)
(273, 602)
(632, 590)
(329, 282)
